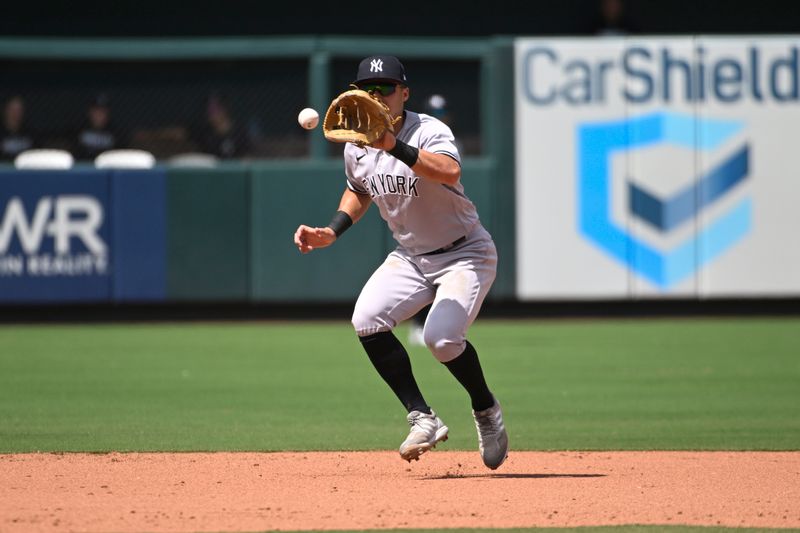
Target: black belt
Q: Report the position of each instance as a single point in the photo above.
(447, 247)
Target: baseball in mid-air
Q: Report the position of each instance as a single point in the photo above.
(308, 118)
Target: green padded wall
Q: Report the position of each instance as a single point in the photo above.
(499, 125)
(208, 234)
(287, 195)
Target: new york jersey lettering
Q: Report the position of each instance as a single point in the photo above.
(388, 184)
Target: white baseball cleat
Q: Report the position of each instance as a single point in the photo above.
(426, 431)
(492, 436)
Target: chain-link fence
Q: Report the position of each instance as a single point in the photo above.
(231, 109)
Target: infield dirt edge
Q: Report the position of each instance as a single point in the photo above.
(233, 492)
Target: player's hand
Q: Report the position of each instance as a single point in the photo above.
(307, 238)
(386, 142)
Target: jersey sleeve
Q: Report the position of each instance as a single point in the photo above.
(436, 137)
(349, 165)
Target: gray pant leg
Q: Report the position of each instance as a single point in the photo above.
(394, 292)
(460, 291)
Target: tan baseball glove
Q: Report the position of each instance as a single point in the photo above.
(357, 117)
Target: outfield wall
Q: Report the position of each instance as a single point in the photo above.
(644, 168)
(179, 235)
(225, 234)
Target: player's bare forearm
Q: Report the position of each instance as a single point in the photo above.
(437, 167)
(354, 204)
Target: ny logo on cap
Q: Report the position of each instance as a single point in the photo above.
(376, 65)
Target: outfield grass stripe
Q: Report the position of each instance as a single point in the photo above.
(666, 384)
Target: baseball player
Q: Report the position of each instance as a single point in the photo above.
(444, 258)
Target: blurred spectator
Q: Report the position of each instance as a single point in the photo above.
(14, 136)
(96, 135)
(222, 135)
(612, 19)
(436, 106)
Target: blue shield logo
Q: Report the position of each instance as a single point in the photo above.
(597, 142)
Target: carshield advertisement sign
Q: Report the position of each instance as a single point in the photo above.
(657, 167)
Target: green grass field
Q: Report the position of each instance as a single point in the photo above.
(688, 384)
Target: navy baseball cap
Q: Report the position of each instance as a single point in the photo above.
(381, 68)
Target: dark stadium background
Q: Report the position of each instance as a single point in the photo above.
(446, 18)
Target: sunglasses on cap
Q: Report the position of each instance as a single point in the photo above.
(385, 89)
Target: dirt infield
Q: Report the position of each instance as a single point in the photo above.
(193, 492)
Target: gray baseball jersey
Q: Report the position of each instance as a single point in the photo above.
(424, 215)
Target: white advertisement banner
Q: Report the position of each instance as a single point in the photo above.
(657, 167)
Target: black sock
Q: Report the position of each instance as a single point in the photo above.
(391, 361)
(467, 370)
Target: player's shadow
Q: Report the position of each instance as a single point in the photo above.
(512, 476)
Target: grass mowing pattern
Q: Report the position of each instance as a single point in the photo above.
(592, 385)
